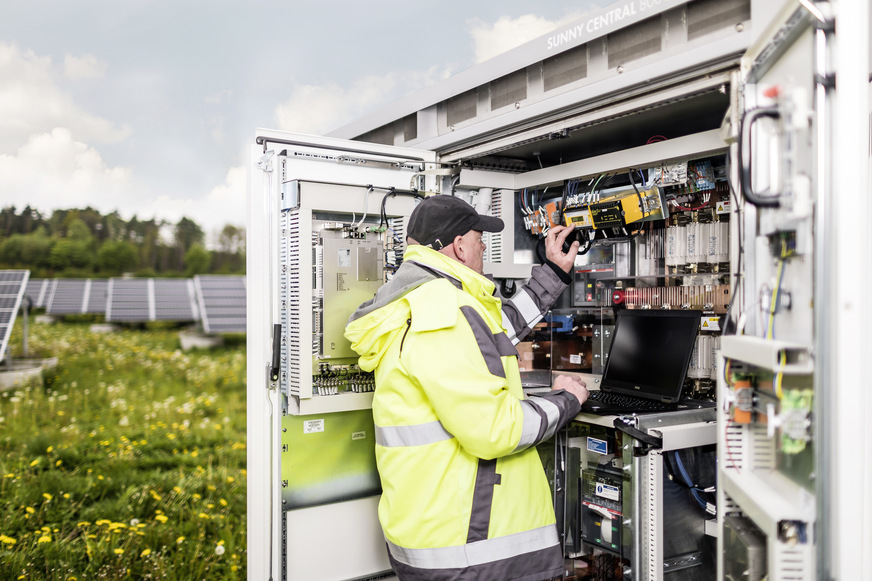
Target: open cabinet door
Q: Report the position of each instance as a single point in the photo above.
(325, 227)
(790, 374)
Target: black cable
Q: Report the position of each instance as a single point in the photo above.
(739, 232)
(393, 193)
(638, 195)
(588, 239)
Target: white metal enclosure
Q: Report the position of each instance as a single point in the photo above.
(773, 96)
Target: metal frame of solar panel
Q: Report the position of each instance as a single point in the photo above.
(39, 289)
(222, 303)
(174, 300)
(130, 300)
(12, 286)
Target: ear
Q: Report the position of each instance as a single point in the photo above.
(460, 251)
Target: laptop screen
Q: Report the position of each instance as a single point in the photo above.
(650, 353)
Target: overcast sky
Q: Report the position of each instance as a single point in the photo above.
(147, 107)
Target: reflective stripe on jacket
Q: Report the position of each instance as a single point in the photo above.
(464, 492)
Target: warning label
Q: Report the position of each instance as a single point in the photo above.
(710, 324)
(313, 426)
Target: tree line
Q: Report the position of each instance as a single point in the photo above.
(85, 243)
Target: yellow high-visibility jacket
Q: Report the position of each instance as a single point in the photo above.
(464, 494)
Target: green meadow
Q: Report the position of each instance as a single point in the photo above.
(129, 463)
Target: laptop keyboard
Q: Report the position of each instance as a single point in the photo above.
(619, 402)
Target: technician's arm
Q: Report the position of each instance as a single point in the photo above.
(471, 390)
(547, 282)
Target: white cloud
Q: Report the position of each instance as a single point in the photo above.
(84, 67)
(508, 33)
(52, 170)
(228, 199)
(31, 102)
(318, 109)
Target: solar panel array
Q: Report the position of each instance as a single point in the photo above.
(12, 286)
(219, 300)
(133, 300)
(222, 303)
(39, 290)
(77, 296)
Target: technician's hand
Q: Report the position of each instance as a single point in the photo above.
(554, 248)
(573, 385)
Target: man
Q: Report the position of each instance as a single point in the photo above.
(465, 496)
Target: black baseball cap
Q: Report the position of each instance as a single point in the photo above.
(439, 219)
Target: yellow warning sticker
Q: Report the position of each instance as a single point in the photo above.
(710, 324)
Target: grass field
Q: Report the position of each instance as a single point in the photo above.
(128, 464)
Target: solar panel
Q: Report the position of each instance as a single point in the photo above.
(222, 303)
(130, 300)
(38, 290)
(68, 297)
(96, 295)
(12, 285)
(174, 300)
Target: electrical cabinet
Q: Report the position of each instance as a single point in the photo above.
(710, 155)
(639, 511)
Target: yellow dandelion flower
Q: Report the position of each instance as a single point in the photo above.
(49, 449)
(99, 477)
(46, 495)
(30, 510)
(180, 540)
(10, 475)
(66, 494)
(35, 462)
(203, 515)
(7, 540)
(197, 496)
(59, 462)
(145, 553)
(44, 539)
(230, 480)
(222, 502)
(83, 523)
(119, 551)
(161, 518)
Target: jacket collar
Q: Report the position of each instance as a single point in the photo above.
(472, 282)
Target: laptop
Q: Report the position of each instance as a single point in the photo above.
(647, 362)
